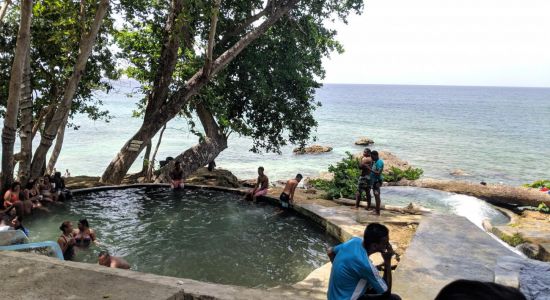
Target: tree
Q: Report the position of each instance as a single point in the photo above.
(57, 30)
(16, 80)
(237, 24)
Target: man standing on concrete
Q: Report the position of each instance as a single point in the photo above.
(376, 178)
(363, 184)
(353, 275)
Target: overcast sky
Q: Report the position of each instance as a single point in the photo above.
(445, 42)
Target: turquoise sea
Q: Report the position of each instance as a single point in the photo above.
(495, 134)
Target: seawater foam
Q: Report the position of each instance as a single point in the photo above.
(471, 208)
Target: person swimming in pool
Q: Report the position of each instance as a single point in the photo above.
(176, 176)
(66, 241)
(84, 235)
(260, 189)
(107, 260)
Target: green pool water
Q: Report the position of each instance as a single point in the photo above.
(198, 234)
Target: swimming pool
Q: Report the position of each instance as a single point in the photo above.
(198, 234)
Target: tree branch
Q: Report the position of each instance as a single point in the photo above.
(3, 10)
(241, 27)
(211, 37)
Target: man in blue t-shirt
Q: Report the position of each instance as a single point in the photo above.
(376, 178)
(353, 276)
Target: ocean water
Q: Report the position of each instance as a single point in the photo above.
(495, 134)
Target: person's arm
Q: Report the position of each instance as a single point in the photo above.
(387, 266)
(292, 190)
(7, 199)
(332, 251)
(62, 244)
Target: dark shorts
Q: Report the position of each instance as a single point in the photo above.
(363, 183)
(285, 200)
(376, 186)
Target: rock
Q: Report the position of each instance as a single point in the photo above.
(459, 172)
(364, 141)
(250, 183)
(314, 149)
(531, 250)
(218, 177)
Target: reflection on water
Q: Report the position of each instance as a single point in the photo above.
(203, 235)
(474, 209)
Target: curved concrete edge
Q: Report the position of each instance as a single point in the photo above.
(35, 272)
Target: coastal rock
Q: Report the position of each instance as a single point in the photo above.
(531, 250)
(314, 149)
(459, 172)
(250, 183)
(218, 177)
(364, 141)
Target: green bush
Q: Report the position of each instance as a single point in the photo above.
(538, 184)
(395, 174)
(543, 208)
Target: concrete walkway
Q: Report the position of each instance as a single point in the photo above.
(446, 248)
(31, 276)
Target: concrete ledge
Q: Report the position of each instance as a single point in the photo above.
(30, 276)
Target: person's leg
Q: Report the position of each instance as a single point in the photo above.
(376, 191)
(369, 198)
(259, 194)
(357, 198)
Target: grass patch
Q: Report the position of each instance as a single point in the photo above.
(513, 240)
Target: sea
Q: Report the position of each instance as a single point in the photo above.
(493, 134)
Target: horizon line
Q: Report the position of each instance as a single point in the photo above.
(439, 85)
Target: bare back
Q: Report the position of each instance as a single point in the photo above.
(365, 165)
(263, 182)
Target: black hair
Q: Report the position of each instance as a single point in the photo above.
(299, 176)
(30, 184)
(477, 290)
(367, 150)
(104, 253)
(84, 222)
(374, 233)
(374, 153)
(15, 184)
(57, 174)
(261, 168)
(64, 225)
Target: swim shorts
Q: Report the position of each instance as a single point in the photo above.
(363, 183)
(285, 200)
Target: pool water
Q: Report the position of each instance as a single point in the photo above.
(198, 234)
(472, 208)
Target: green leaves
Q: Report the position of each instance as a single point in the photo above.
(395, 174)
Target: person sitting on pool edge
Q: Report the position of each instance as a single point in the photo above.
(353, 275)
(84, 235)
(287, 196)
(176, 176)
(107, 260)
(260, 189)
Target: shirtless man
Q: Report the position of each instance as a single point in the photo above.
(105, 259)
(287, 196)
(176, 176)
(363, 184)
(260, 189)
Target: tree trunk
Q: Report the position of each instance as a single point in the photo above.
(3, 10)
(117, 169)
(85, 49)
(149, 174)
(25, 128)
(146, 159)
(16, 79)
(57, 148)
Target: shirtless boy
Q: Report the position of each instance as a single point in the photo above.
(105, 259)
(364, 184)
(260, 189)
(287, 196)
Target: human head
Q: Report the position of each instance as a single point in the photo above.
(46, 179)
(57, 175)
(299, 177)
(376, 238)
(83, 224)
(17, 222)
(4, 220)
(366, 152)
(477, 290)
(66, 227)
(104, 258)
(30, 184)
(261, 171)
(374, 155)
(16, 186)
(177, 164)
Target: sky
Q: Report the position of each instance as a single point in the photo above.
(445, 42)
